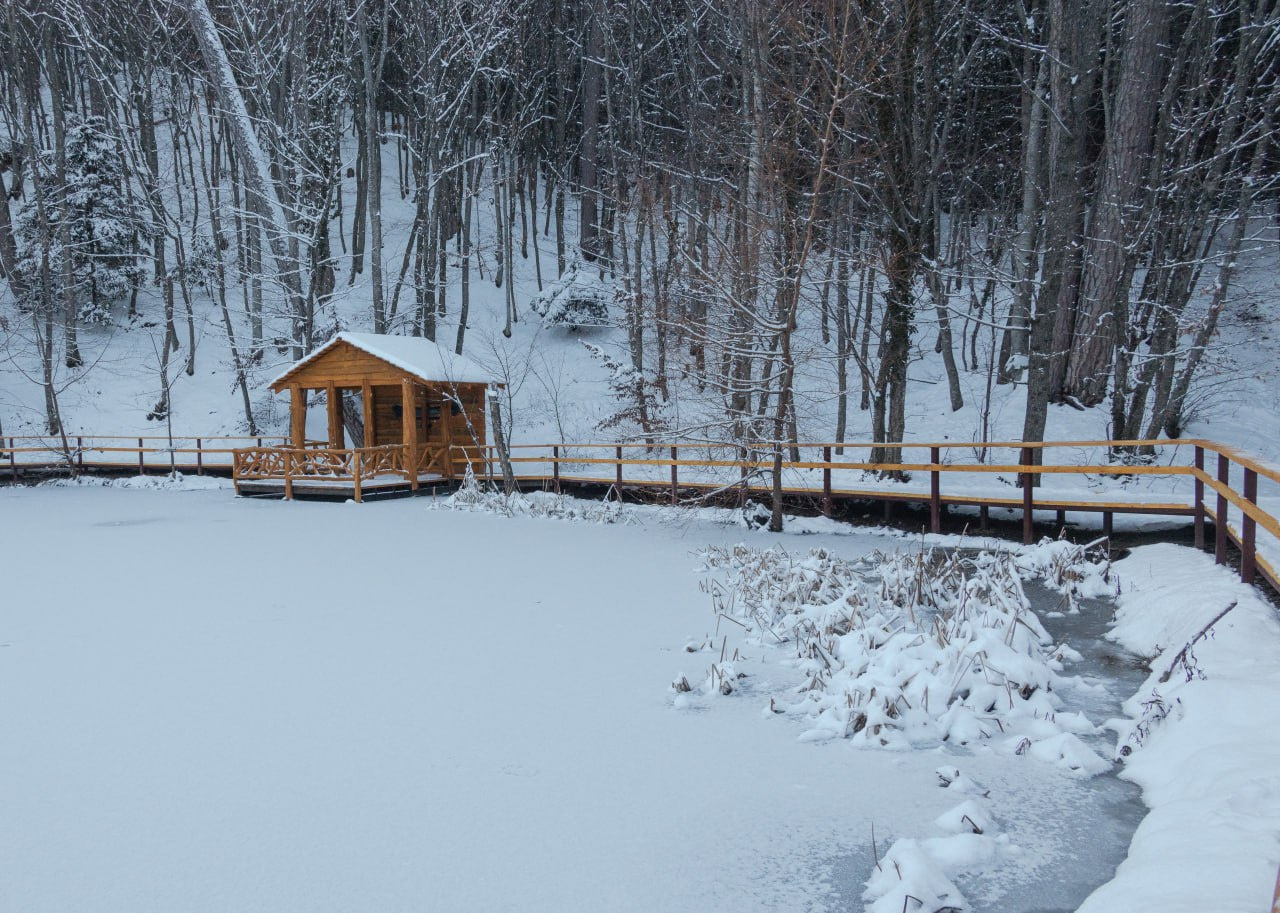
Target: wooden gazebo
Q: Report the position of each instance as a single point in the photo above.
(401, 411)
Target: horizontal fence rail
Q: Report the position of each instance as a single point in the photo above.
(111, 453)
(1014, 477)
(1217, 484)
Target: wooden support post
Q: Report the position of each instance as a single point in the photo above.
(409, 432)
(366, 397)
(199, 457)
(888, 510)
(446, 415)
(618, 473)
(1220, 515)
(1249, 530)
(1062, 519)
(80, 452)
(13, 458)
(984, 516)
(1028, 499)
(141, 463)
(288, 475)
(1199, 496)
(333, 410)
(935, 491)
(675, 478)
(826, 482)
(357, 493)
(555, 468)
(297, 417)
(742, 485)
(1107, 523)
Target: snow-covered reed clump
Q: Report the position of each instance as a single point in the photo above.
(901, 650)
(478, 498)
(1077, 571)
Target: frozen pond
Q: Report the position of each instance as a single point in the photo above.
(245, 705)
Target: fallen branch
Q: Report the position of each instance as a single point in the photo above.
(1181, 658)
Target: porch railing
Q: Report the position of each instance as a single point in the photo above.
(358, 467)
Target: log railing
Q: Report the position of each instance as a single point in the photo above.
(319, 465)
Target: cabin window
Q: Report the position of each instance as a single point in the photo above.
(433, 412)
(397, 411)
(454, 408)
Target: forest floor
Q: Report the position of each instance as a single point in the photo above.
(220, 703)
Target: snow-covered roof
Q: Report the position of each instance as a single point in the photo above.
(423, 358)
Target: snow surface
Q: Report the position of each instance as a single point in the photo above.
(426, 359)
(242, 705)
(1210, 769)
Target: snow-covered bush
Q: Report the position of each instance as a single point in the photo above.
(476, 497)
(919, 874)
(1076, 571)
(905, 649)
(579, 298)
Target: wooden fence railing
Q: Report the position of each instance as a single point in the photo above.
(361, 467)
(155, 453)
(829, 477)
(1223, 483)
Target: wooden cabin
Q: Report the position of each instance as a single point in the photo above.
(401, 410)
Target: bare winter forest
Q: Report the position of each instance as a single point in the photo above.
(1059, 193)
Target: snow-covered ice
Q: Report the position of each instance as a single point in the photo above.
(223, 704)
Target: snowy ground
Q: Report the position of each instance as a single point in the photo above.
(239, 705)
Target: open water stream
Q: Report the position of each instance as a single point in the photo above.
(1070, 832)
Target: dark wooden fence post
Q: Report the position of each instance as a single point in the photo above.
(199, 457)
(618, 472)
(1199, 515)
(1249, 530)
(826, 482)
(13, 461)
(1220, 515)
(675, 478)
(555, 468)
(141, 465)
(1028, 499)
(935, 491)
(80, 452)
(742, 487)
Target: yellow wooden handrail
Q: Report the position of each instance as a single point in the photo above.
(1239, 493)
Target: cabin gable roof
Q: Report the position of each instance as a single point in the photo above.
(420, 358)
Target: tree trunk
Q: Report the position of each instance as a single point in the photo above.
(1102, 312)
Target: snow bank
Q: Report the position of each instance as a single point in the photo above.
(1204, 741)
(175, 482)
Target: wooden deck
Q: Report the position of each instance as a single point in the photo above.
(384, 486)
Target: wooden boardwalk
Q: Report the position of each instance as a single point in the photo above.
(1011, 477)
